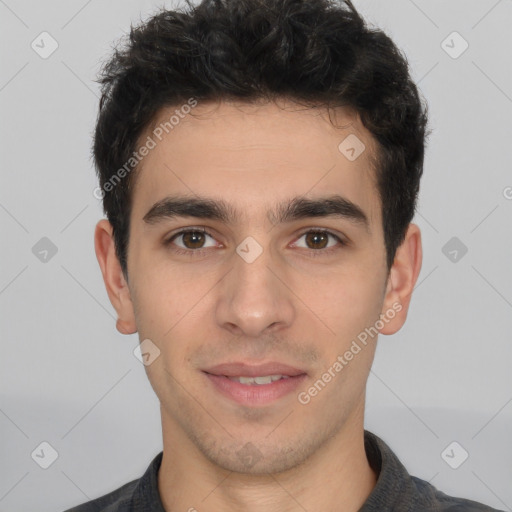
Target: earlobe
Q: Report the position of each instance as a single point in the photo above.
(401, 281)
(115, 283)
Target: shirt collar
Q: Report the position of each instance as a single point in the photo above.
(394, 489)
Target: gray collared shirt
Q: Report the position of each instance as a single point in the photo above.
(395, 490)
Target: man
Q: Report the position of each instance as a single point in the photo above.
(259, 164)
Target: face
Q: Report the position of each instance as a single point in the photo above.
(284, 264)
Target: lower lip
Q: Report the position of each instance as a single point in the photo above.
(255, 394)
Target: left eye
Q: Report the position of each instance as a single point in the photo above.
(319, 240)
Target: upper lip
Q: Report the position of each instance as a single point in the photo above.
(248, 370)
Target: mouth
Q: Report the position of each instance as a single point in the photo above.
(254, 384)
(258, 381)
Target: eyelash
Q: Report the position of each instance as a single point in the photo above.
(198, 252)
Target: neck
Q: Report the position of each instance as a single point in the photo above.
(337, 477)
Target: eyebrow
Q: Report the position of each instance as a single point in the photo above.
(297, 208)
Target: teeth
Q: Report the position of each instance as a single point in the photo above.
(258, 380)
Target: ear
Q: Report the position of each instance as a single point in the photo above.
(401, 280)
(115, 283)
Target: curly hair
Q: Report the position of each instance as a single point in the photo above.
(319, 53)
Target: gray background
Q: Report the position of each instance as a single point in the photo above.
(68, 378)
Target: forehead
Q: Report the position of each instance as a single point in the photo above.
(255, 155)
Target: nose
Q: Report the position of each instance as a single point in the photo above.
(253, 298)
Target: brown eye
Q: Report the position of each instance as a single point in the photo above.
(320, 242)
(317, 239)
(193, 239)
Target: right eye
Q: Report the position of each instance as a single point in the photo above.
(191, 241)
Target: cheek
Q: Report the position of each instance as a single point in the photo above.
(158, 305)
(172, 308)
(349, 306)
(349, 297)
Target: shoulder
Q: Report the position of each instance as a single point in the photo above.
(140, 494)
(116, 501)
(431, 499)
(397, 490)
